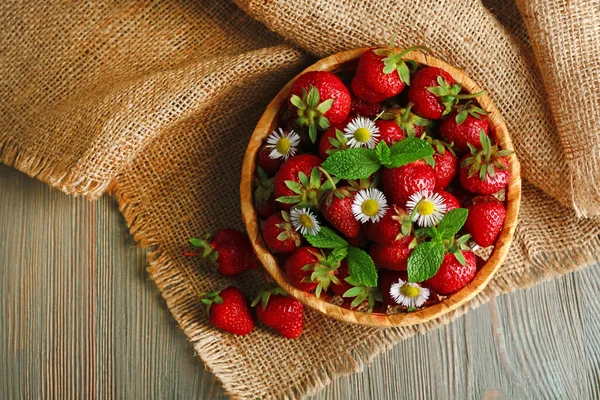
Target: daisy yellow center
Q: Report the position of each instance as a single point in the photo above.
(425, 207)
(283, 145)
(370, 207)
(305, 221)
(362, 135)
(409, 291)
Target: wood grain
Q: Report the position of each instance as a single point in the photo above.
(81, 319)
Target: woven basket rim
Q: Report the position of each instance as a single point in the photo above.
(513, 199)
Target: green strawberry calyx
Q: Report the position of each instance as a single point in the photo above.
(311, 111)
(450, 94)
(265, 294)
(339, 142)
(456, 246)
(209, 254)
(264, 187)
(325, 269)
(405, 220)
(405, 119)
(469, 109)
(361, 293)
(209, 298)
(394, 59)
(487, 160)
(288, 231)
(309, 191)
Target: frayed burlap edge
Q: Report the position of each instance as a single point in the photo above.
(542, 266)
(585, 183)
(49, 171)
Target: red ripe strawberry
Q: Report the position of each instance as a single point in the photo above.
(268, 164)
(343, 286)
(486, 170)
(280, 312)
(434, 93)
(386, 279)
(452, 275)
(308, 269)
(463, 126)
(331, 141)
(337, 209)
(229, 251)
(446, 164)
(450, 201)
(389, 131)
(264, 200)
(319, 99)
(228, 310)
(290, 171)
(410, 123)
(399, 183)
(362, 108)
(381, 74)
(360, 240)
(393, 226)
(394, 256)
(279, 234)
(485, 219)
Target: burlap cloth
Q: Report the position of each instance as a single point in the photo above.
(154, 101)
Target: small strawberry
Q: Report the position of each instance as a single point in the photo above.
(386, 279)
(337, 209)
(364, 109)
(389, 131)
(319, 99)
(308, 269)
(485, 219)
(394, 256)
(393, 226)
(486, 170)
(450, 201)
(269, 165)
(331, 141)
(434, 93)
(382, 73)
(279, 234)
(446, 163)
(410, 123)
(399, 183)
(453, 275)
(229, 251)
(279, 311)
(264, 200)
(228, 310)
(463, 126)
(292, 185)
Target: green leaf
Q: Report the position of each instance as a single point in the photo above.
(460, 257)
(288, 199)
(297, 102)
(352, 163)
(353, 292)
(461, 117)
(325, 106)
(452, 222)
(382, 151)
(409, 150)
(197, 242)
(322, 123)
(294, 186)
(326, 239)
(404, 73)
(315, 178)
(312, 133)
(313, 97)
(361, 267)
(424, 261)
(303, 179)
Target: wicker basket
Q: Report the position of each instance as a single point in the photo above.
(343, 61)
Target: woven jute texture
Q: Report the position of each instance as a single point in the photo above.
(154, 101)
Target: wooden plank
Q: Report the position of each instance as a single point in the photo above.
(81, 319)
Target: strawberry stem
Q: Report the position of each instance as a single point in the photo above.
(470, 95)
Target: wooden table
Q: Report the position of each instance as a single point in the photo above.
(81, 319)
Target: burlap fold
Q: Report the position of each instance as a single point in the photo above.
(155, 101)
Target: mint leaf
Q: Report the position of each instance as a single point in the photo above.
(452, 222)
(361, 267)
(382, 151)
(408, 150)
(352, 163)
(424, 261)
(326, 239)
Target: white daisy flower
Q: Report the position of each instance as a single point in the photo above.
(304, 221)
(427, 208)
(369, 204)
(362, 132)
(409, 294)
(282, 144)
